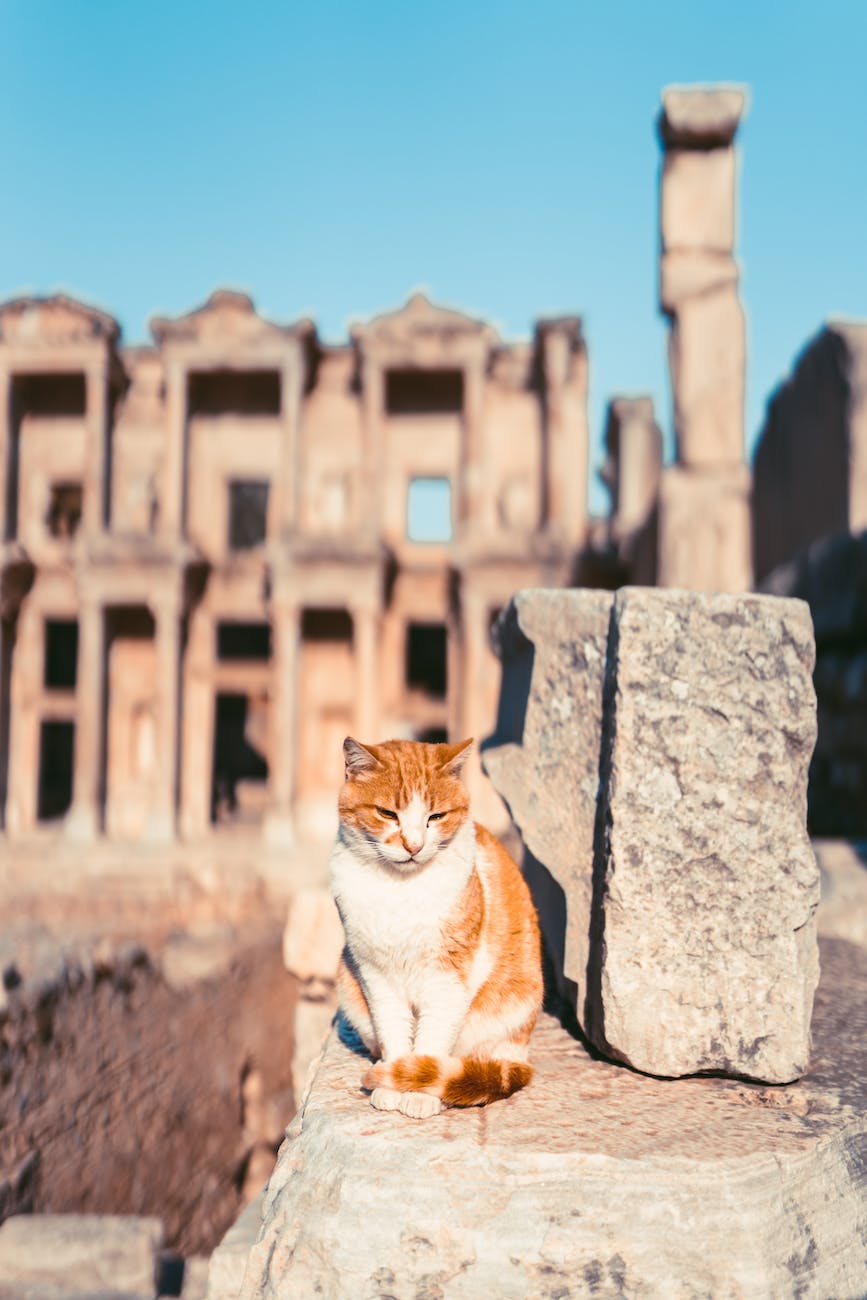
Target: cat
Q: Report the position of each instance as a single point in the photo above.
(441, 974)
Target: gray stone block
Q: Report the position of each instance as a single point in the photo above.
(655, 764)
(71, 1256)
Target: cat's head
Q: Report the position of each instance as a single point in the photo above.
(404, 799)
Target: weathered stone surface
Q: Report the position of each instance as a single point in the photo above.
(707, 355)
(544, 757)
(60, 1256)
(313, 938)
(701, 117)
(688, 273)
(697, 200)
(226, 1272)
(704, 529)
(594, 1181)
(707, 954)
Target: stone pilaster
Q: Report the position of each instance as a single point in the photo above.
(566, 440)
(469, 510)
(95, 494)
(84, 819)
(166, 614)
(365, 639)
(24, 688)
(197, 727)
(373, 408)
(286, 632)
(172, 497)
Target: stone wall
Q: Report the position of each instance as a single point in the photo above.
(810, 467)
(831, 576)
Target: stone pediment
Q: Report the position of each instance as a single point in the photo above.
(43, 322)
(420, 321)
(226, 318)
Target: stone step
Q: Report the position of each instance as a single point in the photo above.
(73, 1256)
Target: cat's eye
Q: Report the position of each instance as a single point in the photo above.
(435, 817)
(386, 812)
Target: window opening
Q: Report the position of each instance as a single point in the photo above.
(426, 659)
(233, 392)
(64, 509)
(248, 513)
(61, 654)
(424, 392)
(248, 641)
(429, 510)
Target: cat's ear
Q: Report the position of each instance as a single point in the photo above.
(358, 757)
(451, 758)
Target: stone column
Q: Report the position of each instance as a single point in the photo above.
(632, 471)
(95, 487)
(288, 487)
(197, 727)
(25, 686)
(705, 497)
(166, 612)
(365, 638)
(469, 510)
(278, 827)
(84, 818)
(566, 433)
(373, 406)
(172, 513)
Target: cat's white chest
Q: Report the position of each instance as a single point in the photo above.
(395, 920)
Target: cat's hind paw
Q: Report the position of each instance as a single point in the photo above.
(387, 1099)
(418, 1105)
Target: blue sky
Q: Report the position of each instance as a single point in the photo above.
(330, 158)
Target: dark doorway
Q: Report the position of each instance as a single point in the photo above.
(432, 735)
(64, 509)
(56, 748)
(426, 659)
(326, 625)
(235, 758)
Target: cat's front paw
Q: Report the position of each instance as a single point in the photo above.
(387, 1099)
(418, 1105)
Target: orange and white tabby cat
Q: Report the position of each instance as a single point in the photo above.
(441, 974)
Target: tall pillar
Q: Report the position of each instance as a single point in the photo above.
(278, 828)
(95, 494)
(197, 727)
(365, 638)
(373, 406)
(564, 365)
(83, 820)
(704, 500)
(24, 688)
(290, 475)
(171, 523)
(166, 613)
(470, 506)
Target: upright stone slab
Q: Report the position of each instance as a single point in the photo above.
(544, 758)
(706, 954)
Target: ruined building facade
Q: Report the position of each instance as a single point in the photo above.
(224, 552)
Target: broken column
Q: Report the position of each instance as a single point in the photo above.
(633, 442)
(677, 898)
(704, 499)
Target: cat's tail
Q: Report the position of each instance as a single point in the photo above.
(458, 1081)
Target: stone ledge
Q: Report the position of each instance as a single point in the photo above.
(595, 1180)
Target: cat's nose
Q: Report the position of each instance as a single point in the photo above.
(412, 843)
